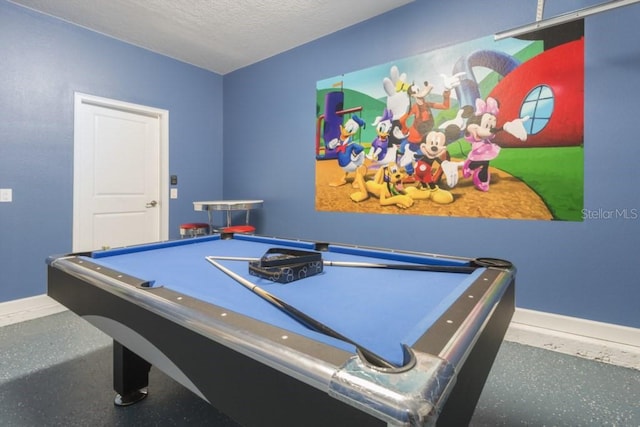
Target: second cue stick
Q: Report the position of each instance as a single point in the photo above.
(417, 267)
(299, 315)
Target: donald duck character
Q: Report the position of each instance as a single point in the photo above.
(350, 154)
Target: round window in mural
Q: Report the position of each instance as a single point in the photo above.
(538, 105)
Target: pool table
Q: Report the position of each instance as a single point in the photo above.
(166, 306)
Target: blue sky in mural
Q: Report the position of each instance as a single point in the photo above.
(426, 66)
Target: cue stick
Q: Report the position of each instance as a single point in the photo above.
(417, 267)
(299, 315)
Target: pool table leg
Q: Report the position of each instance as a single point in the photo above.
(130, 375)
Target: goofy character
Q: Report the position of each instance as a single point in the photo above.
(420, 110)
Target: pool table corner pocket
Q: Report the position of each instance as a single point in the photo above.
(410, 397)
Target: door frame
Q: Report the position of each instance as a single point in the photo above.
(163, 118)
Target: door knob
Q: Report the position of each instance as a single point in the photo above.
(152, 204)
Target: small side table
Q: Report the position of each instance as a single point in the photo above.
(229, 206)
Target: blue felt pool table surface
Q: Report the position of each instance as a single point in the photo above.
(380, 309)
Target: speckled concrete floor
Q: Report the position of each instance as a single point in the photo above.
(56, 371)
(535, 387)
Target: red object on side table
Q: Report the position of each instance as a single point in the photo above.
(247, 229)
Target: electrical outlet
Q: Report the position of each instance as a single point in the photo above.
(6, 195)
(173, 193)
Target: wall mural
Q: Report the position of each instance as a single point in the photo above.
(486, 128)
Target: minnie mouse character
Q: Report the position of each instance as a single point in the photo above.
(480, 131)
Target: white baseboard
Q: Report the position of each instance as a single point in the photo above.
(28, 308)
(604, 342)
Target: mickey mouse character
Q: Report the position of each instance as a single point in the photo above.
(434, 161)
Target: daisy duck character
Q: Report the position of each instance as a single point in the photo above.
(380, 146)
(480, 132)
(350, 154)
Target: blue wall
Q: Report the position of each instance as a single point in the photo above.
(582, 269)
(43, 61)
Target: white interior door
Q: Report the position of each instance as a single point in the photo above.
(120, 174)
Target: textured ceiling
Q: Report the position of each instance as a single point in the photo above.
(218, 35)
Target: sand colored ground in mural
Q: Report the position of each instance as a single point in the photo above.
(508, 197)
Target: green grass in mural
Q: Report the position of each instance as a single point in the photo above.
(555, 174)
